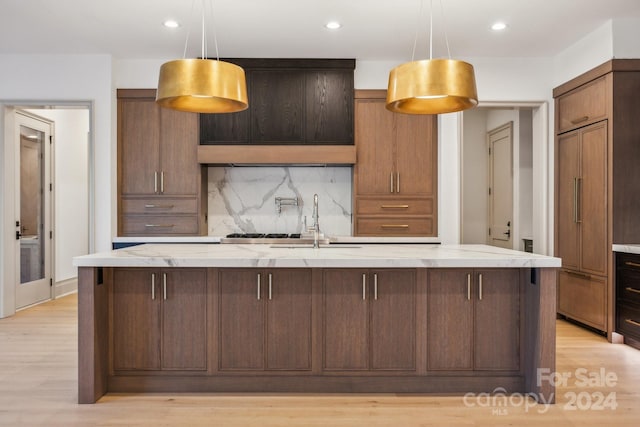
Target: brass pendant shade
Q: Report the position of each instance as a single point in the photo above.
(202, 86)
(432, 86)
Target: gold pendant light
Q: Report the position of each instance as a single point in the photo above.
(202, 85)
(432, 86)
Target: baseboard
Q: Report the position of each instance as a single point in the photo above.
(66, 287)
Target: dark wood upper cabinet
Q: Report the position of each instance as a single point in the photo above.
(305, 101)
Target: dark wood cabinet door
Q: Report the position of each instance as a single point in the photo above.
(241, 318)
(345, 320)
(225, 128)
(450, 319)
(184, 319)
(277, 110)
(416, 154)
(393, 320)
(329, 107)
(139, 155)
(288, 303)
(375, 171)
(497, 320)
(593, 199)
(179, 166)
(567, 199)
(136, 319)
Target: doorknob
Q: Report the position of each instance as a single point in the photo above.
(18, 235)
(508, 233)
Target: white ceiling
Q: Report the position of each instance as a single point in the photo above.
(372, 29)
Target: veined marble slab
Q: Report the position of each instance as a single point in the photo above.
(628, 248)
(345, 256)
(216, 239)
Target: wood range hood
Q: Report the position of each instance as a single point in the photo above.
(300, 113)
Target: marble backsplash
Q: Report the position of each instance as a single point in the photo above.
(242, 199)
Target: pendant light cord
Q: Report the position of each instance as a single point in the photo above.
(186, 41)
(215, 35)
(204, 39)
(415, 40)
(446, 36)
(444, 22)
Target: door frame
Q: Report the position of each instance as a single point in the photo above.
(542, 221)
(7, 189)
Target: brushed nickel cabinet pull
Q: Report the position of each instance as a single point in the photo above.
(468, 287)
(258, 286)
(578, 200)
(391, 181)
(579, 120)
(270, 285)
(634, 290)
(575, 200)
(164, 286)
(155, 181)
(364, 287)
(395, 206)
(633, 322)
(159, 206)
(581, 275)
(153, 286)
(398, 182)
(394, 226)
(162, 182)
(159, 225)
(480, 287)
(375, 286)
(631, 264)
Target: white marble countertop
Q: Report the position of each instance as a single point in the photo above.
(216, 239)
(354, 256)
(627, 247)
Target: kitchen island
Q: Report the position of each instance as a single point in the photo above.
(398, 318)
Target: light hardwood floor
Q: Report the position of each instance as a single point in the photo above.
(38, 374)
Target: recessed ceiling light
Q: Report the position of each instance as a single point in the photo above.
(499, 26)
(333, 25)
(170, 23)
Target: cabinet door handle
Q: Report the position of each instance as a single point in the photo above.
(270, 285)
(631, 264)
(395, 206)
(579, 120)
(159, 225)
(164, 286)
(155, 182)
(364, 287)
(398, 182)
(162, 182)
(633, 322)
(149, 206)
(576, 274)
(575, 200)
(375, 286)
(634, 290)
(153, 286)
(394, 226)
(258, 286)
(480, 287)
(468, 287)
(391, 181)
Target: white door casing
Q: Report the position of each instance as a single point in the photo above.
(500, 191)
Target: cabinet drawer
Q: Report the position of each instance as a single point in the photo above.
(394, 226)
(159, 225)
(162, 205)
(583, 105)
(394, 206)
(628, 284)
(583, 298)
(628, 321)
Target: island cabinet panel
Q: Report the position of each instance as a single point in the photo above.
(264, 319)
(473, 320)
(159, 319)
(369, 320)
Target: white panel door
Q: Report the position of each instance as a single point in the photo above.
(500, 141)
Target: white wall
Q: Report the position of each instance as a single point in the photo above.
(474, 177)
(71, 183)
